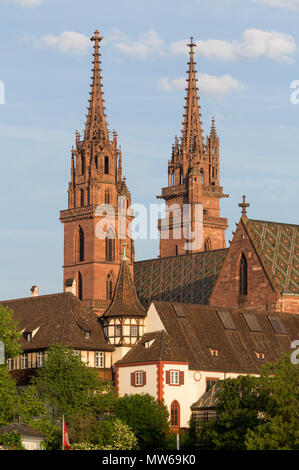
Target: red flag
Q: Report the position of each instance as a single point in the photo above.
(65, 437)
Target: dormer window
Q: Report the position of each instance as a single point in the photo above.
(27, 336)
(259, 355)
(87, 334)
(214, 352)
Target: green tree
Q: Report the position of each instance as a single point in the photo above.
(8, 396)
(148, 419)
(239, 408)
(69, 386)
(9, 332)
(17, 402)
(279, 427)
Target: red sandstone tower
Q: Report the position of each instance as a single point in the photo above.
(193, 178)
(98, 203)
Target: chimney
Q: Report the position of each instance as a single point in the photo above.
(70, 286)
(34, 291)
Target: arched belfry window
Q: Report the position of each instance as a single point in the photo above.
(106, 165)
(81, 197)
(202, 177)
(243, 276)
(83, 163)
(81, 244)
(110, 245)
(207, 244)
(107, 197)
(80, 286)
(109, 287)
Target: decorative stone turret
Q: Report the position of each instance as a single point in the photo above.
(98, 215)
(193, 178)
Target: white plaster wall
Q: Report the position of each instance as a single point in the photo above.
(192, 389)
(152, 320)
(119, 353)
(32, 443)
(124, 380)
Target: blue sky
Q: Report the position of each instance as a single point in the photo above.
(247, 59)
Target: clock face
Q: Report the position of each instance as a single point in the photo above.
(197, 376)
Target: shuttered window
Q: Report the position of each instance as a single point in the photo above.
(175, 377)
(138, 378)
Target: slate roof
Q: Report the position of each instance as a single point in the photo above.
(125, 302)
(153, 347)
(277, 246)
(184, 278)
(22, 429)
(59, 319)
(197, 330)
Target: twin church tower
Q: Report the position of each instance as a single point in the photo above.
(97, 239)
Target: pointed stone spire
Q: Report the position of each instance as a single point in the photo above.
(192, 134)
(96, 125)
(213, 133)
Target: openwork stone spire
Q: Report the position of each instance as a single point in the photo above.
(96, 125)
(192, 140)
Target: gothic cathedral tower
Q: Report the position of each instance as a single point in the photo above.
(98, 215)
(193, 179)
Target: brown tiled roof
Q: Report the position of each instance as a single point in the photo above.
(125, 302)
(184, 278)
(197, 330)
(277, 246)
(60, 319)
(22, 429)
(152, 347)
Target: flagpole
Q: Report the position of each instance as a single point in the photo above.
(62, 432)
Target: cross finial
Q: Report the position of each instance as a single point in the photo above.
(124, 257)
(191, 45)
(96, 36)
(244, 205)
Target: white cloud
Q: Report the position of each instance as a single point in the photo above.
(285, 4)
(147, 44)
(208, 84)
(68, 41)
(23, 3)
(255, 43)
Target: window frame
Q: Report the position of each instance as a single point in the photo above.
(99, 359)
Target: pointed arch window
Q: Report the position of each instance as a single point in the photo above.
(106, 167)
(243, 276)
(83, 163)
(109, 287)
(81, 197)
(80, 286)
(107, 197)
(81, 244)
(175, 414)
(202, 177)
(110, 245)
(207, 244)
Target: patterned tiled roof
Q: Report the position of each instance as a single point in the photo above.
(277, 245)
(185, 278)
